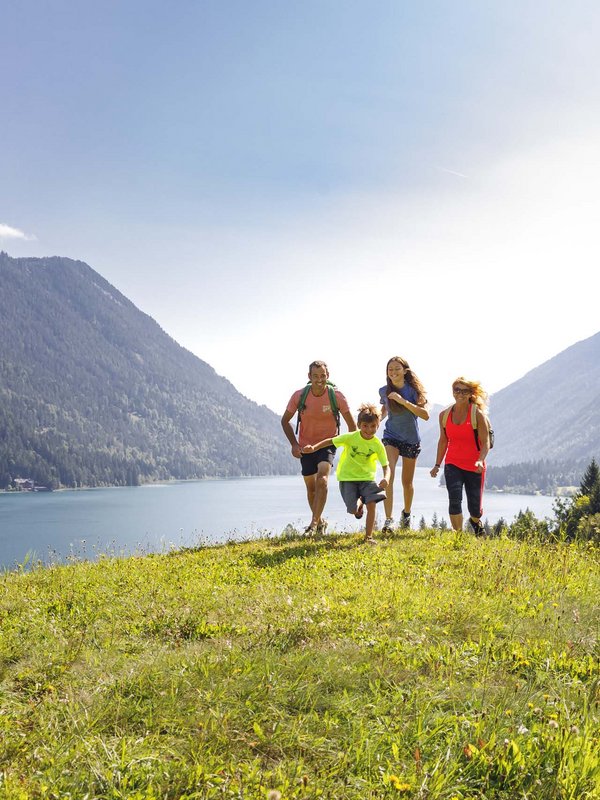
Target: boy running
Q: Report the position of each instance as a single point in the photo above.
(358, 466)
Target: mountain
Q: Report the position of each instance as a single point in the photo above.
(551, 413)
(93, 392)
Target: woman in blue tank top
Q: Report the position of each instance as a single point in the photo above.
(403, 400)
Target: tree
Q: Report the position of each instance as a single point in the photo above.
(577, 517)
(591, 478)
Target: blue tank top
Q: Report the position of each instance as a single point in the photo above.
(401, 424)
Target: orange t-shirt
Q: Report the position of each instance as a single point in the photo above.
(317, 421)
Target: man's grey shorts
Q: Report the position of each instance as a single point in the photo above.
(368, 491)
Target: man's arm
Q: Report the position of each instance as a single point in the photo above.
(289, 432)
(349, 420)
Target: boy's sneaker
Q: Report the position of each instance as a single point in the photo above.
(477, 527)
(388, 525)
(405, 523)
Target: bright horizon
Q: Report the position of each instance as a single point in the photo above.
(339, 181)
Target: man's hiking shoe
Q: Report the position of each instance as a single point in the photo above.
(405, 523)
(322, 528)
(310, 529)
(388, 525)
(477, 527)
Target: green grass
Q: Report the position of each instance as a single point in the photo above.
(432, 666)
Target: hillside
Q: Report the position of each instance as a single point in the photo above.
(551, 414)
(93, 392)
(432, 666)
(553, 411)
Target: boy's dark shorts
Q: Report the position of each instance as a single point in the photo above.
(310, 462)
(405, 449)
(368, 491)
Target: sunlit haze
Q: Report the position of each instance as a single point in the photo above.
(275, 183)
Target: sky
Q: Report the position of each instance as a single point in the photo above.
(341, 180)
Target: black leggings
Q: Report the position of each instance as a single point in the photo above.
(456, 478)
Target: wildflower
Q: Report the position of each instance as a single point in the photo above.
(274, 795)
(552, 723)
(522, 730)
(574, 730)
(399, 785)
(529, 705)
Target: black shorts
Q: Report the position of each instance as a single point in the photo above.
(457, 478)
(405, 449)
(310, 462)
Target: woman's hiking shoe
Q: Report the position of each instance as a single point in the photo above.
(322, 528)
(388, 525)
(477, 527)
(310, 529)
(370, 540)
(405, 523)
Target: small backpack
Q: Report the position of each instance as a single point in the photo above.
(473, 424)
(331, 387)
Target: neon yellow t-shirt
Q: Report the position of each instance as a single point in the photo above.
(359, 458)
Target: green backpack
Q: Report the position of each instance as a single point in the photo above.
(473, 424)
(331, 387)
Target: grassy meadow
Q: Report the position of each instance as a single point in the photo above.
(435, 665)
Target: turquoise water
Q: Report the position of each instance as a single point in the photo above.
(86, 523)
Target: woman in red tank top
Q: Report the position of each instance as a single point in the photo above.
(464, 453)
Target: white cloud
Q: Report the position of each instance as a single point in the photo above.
(8, 232)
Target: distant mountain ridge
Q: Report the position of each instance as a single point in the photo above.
(94, 392)
(552, 412)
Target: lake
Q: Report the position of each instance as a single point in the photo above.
(85, 523)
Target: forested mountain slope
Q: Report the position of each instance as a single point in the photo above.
(551, 414)
(94, 392)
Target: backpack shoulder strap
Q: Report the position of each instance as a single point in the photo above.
(474, 416)
(333, 403)
(445, 415)
(302, 405)
(332, 398)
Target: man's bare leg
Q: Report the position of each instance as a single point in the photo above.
(317, 489)
(310, 481)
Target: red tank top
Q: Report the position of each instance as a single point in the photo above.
(462, 450)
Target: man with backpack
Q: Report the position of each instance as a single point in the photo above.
(318, 405)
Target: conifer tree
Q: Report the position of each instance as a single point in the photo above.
(590, 478)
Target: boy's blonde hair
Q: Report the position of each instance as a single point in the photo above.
(368, 412)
